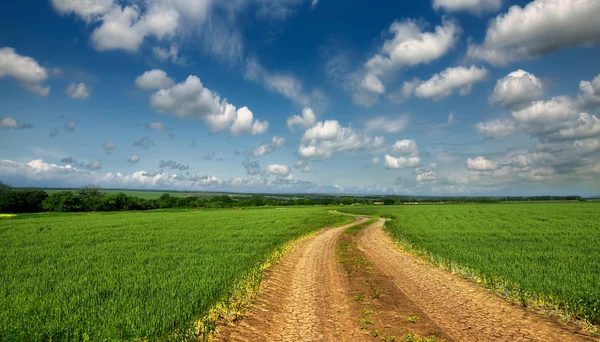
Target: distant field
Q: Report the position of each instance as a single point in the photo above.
(132, 275)
(150, 194)
(549, 252)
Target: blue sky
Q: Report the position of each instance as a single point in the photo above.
(441, 97)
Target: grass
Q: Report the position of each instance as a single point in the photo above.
(545, 254)
(133, 275)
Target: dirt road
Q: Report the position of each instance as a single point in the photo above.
(370, 290)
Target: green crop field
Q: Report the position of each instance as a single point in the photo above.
(132, 275)
(546, 253)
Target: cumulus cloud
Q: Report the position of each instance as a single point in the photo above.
(386, 124)
(190, 99)
(496, 128)
(157, 126)
(481, 164)
(78, 91)
(409, 45)
(173, 165)
(109, 146)
(154, 79)
(401, 162)
(445, 83)
(409, 155)
(25, 70)
(541, 27)
(145, 143)
(12, 123)
(264, 149)
(306, 120)
(306, 169)
(517, 90)
(428, 176)
(328, 137)
(300, 164)
(134, 159)
(94, 165)
(277, 170)
(170, 54)
(245, 123)
(477, 7)
(590, 93)
(38, 173)
(375, 160)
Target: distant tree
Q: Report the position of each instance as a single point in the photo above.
(389, 201)
(63, 201)
(347, 201)
(91, 198)
(118, 202)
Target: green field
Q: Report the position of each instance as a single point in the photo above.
(132, 275)
(547, 253)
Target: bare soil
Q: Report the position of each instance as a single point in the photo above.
(362, 287)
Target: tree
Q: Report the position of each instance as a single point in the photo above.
(91, 197)
(64, 201)
(346, 201)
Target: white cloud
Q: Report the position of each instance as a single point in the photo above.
(245, 123)
(428, 176)
(590, 97)
(134, 159)
(443, 84)
(405, 146)
(542, 26)
(305, 121)
(190, 99)
(386, 124)
(38, 173)
(277, 170)
(547, 116)
(154, 79)
(287, 85)
(314, 3)
(375, 160)
(497, 128)
(472, 6)
(306, 169)
(78, 91)
(517, 90)
(481, 164)
(171, 54)
(94, 165)
(401, 162)
(409, 46)
(25, 70)
(300, 164)
(264, 149)
(109, 146)
(451, 118)
(328, 137)
(10, 122)
(125, 27)
(86, 9)
(586, 126)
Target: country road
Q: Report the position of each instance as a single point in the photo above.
(380, 293)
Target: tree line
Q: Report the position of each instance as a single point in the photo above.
(91, 198)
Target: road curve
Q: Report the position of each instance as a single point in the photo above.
(464, 310)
